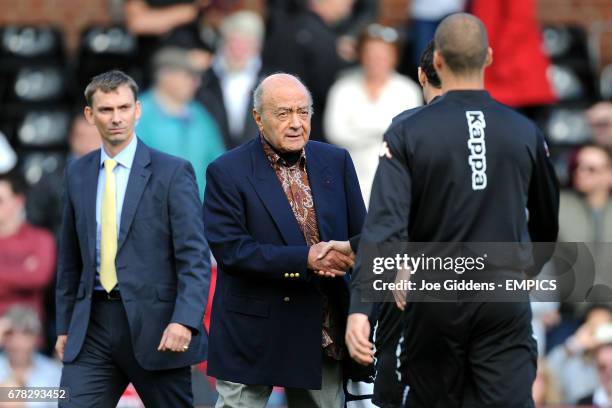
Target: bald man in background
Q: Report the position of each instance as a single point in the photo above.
(428, 188)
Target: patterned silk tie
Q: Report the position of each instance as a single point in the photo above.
(108, 241)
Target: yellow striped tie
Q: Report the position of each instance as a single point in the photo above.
(108, 240)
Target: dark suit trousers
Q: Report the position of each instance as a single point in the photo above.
(106, 365)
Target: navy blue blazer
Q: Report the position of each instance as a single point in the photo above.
(162, 258)
(266, 325)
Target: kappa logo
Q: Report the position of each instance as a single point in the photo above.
(384, 151)
(478, 151)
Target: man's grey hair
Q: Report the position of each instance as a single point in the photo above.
(244, 22)
(24, 319)
(258, 93)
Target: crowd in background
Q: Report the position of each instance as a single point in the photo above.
(197, 63)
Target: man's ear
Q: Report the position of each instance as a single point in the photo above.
(438, 61)
(88, 112)
(489, 59)
(257, 117)
(138, 109)
(422, 77)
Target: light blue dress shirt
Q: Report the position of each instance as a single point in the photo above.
(124, 160)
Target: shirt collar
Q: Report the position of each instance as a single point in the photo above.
(275, 158)
(125, 157)
(220, 67)
(600, 397)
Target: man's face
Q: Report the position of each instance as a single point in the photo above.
(604, 366)
(84, 138)
(20, 346)
(378, 59)
(285, 117)
(11, 204)
(239, 49)
(179, 84)
(593, 171)
(114, 114)
(600, 119)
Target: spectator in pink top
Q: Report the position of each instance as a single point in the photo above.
(27, 253)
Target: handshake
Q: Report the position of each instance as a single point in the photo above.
(331, 259)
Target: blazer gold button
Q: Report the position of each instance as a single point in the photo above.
(292, 275)
(286, 298)
(286, 275)
(297, 275)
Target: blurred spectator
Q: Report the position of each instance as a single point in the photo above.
(228, 85)
(545, 317)
(585, 215)
(570, 364)
(163, 23)
(545, 391)
(602, 396)
(304, 44)
(425, 15)
(44, 204)
(20, 364)
(172, 121)
(600, 119)
(364, 13)
(362, 104)
(517, 76)
(27, 253)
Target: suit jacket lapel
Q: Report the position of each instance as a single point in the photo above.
(320, 180)
(271, 193)
(91, 192)
(139, 176)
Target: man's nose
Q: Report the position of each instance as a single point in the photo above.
(295, 121)
(116, 117)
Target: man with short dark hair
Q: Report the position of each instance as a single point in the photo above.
(433, 185)
(133, 263)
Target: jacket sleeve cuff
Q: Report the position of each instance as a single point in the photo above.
(189, 318)
(359, 306)
(297, 264)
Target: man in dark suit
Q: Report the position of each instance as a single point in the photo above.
(132, 276)
(269, 205)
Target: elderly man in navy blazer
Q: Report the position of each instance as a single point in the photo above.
(133, 263)
(280, 305)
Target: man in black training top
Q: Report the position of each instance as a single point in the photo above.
(433, 185)
(388, 389)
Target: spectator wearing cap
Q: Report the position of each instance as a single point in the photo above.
(20, 363)
(362, 104)
(228, 85)
(27, 253)
(172, 121)
(602, 396)
(571, 366)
